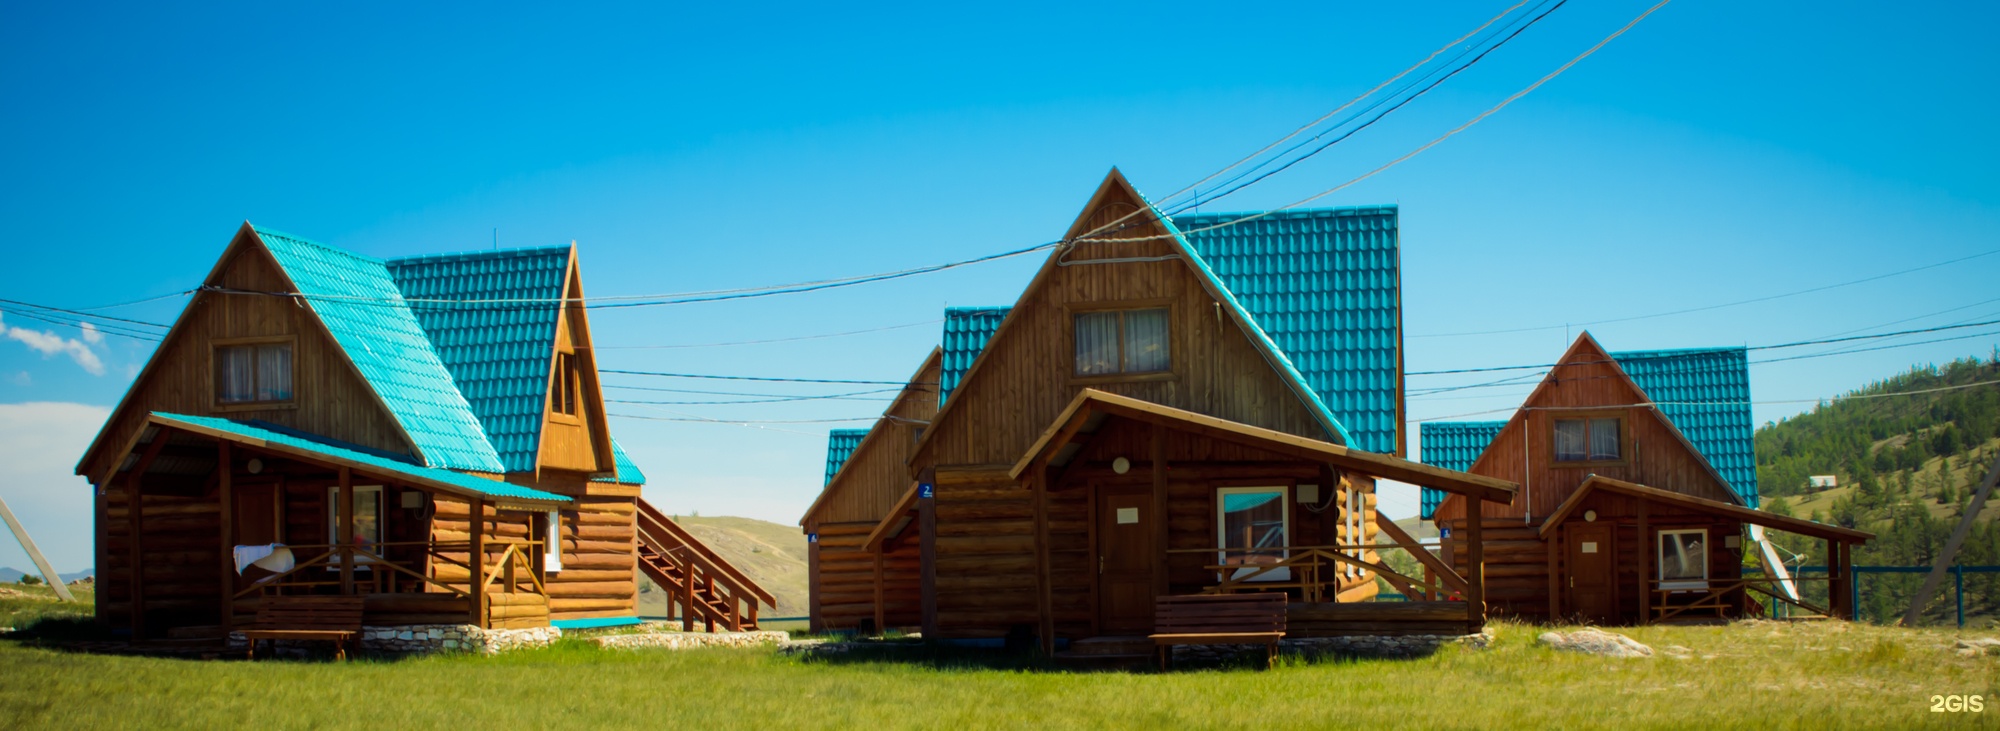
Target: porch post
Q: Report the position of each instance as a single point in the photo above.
(1646, 551)
(135, 528)
(475, 559)
(1045, 603)
(225, 489)
(1160, 510)
(1475, 577)
(881, 616)
(344, 534)
(1555, 577)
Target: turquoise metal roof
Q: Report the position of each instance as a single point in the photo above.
(1323, 286)
(1705, 392)
(359, 303)
(966, 330)
(1453, 445)
(628, 470)
(499, 353)
(840, 444)
(393, 464)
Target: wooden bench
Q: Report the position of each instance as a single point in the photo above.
(333, 618)
(1219, 619)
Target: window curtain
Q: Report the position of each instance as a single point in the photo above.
(1603, 439)
(1096, 343)
(235, 377)
(274, 372)
(1570, 440)
(1146, 341)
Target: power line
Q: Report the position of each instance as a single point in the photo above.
(156, 298)
(81, 314)
(106, 329)
(1706, 308)
(702, 391)
(1835, 399)
(771, 340)
(1795, 344)
(853, 396)
(1413, 153)
(763, 378)
(744, 422)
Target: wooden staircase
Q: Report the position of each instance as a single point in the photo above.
(697, 581)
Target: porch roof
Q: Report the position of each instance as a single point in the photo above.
(1596, 483)
(1086, 413)
(276, 439)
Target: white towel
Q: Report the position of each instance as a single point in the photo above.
(274, 557)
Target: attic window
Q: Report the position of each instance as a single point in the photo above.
(565, 388)
(1588, 440)
(1112, 342)
(253, 373)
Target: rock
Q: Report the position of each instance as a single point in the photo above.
(1678, 652)
(1977, 647)
(1594, 641)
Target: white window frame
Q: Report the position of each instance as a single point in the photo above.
(1660, 555)
(1354, 530)
(333, 521)
(1222, 530)
(552, 543)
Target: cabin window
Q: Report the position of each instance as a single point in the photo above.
(367, 520)
(552, 542)
(1253, 528)
(1588, 440)
(564, 387)
(1111, 342)
(1684, 559)
(253, 373)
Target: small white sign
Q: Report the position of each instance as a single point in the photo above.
(1590, 546)
(1128, 515)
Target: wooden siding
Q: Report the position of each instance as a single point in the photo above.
(580, 442)
(1024, 378)
(844, 590)
(329, 397)
(1520, 566)
(877, 474)
(1656, 456)
(600, 570)
(985, 543)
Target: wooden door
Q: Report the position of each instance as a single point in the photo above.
(257, 517)
(1591, 561)
(1125, 561)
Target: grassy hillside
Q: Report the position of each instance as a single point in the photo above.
(1906, 468)
(772, 555)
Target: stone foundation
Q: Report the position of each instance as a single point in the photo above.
(686, 640)
(412, 639)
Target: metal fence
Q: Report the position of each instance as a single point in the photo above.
(1895, 596)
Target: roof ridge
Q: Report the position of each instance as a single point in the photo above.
(471, 254)
(263, 231)
(1679, 351)
(1289, 213)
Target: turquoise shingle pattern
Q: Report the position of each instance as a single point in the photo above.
(1705, 393)
(1322, 285)
(359, 303)
(966, 330)
(840, 444)
(389, 463)
(498, 352)
(628, 470)
(1453, 445)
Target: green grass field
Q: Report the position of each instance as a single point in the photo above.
(1758, 675)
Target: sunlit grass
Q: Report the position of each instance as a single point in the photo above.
(1755, 675)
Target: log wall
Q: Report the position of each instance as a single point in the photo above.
(844, 597)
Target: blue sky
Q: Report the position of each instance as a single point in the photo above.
(1718, 152)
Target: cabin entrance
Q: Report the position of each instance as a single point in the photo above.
(1125, 559)
(1591, 587)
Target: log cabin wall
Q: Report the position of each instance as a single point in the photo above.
(180, 554)
(985, 533)
(844, 595)
(1024, 378)
(600, 570)
(328, 397)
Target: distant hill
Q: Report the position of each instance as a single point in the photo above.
(771, 554)
(10, 575)
(1905, 468)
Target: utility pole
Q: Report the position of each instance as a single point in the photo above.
(28, 544)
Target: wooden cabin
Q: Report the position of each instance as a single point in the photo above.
(428, 433)
(1195, 404)
(1638, 490)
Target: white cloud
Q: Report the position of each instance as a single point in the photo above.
(40, 444)
(50, 344)
(24, 379)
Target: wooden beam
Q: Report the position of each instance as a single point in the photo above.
(927, 560)
(1646, 552)
(1951, 545)
(226, 492)
(1159, 510)
(881, 616)
(35, 554)
(1475, 578)
(1555, 578)
(903, 505)
(476, 560)
(1044, 592)
(344, 524)
(135, 511)
(1446, 576)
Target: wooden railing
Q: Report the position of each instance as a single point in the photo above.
(1304, 570)
(695, 577)
(513, 570)
(1714, 595)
